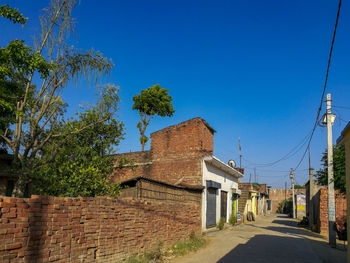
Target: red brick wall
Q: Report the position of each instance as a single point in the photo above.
(175, 155)
(141, 166)
(45, 229)
(340, 211)
(189, 136)
(278, 195)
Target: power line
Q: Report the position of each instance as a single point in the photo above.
(290, 154)
(341, 107)
(324, 87)
(273, 171)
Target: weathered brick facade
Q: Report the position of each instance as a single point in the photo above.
(175, 156)
(278, 195)
(340, 210)
(45, 229)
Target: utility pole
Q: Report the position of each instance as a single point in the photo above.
(292, 179)
(254, 174)
(285, 190)
(331, 207)
(311, 192)
(240, 155)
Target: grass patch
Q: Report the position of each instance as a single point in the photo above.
(178, 249)
(233, 219)
(221, 223)
(184, 247)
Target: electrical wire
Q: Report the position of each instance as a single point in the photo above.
(290, 154)
(324, 87)
(341, 107)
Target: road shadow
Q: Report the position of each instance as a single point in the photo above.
(289, 227)
(271, 248)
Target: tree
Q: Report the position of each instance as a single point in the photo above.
(83, 161)
(152, 101)
(38, 111)
(338, 168)
(297, 186)
(16, 61)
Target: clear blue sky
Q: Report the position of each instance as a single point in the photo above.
(251, 69)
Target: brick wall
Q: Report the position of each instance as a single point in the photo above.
(278, 195)
(190, 136)
(340, 211)
(175, 156)
(45, 229)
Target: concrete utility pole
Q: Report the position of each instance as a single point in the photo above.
(292, 179)
(285, 190)
(331, 207)
(311, 192)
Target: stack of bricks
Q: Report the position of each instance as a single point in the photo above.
(340, 211)
(47, 229)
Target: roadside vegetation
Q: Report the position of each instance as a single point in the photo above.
(162, 254)
(232, 220)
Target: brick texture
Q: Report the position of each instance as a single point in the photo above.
(340, 211)
(47, 229)
(278, 195)
(175, 156)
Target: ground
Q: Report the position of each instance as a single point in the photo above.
(271, 238)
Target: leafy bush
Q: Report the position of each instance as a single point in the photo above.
(233, 219)
(221, 223)
(285, 206)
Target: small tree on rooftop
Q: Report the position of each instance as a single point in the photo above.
(152, 101)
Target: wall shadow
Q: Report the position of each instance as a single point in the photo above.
(271, 248)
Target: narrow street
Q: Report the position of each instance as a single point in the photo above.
(273, 238)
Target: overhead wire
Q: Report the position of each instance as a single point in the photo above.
(324, 87)
(341, 107)
(290, 154)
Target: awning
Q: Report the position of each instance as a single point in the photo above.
(212, 184)
(236, 191)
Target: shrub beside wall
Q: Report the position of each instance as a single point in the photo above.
(45, 229)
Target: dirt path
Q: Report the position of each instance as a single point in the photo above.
(273, 238)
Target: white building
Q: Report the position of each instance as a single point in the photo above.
(220, 196)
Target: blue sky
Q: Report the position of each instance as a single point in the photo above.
(251, 69)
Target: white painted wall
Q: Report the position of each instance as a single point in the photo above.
(227, 182)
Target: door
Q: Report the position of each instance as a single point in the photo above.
(211, 207)
(234, 205)
(223, 205)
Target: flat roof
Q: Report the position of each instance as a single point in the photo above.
(223, 166)
(181, 186)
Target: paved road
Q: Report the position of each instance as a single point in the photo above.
(272, 238)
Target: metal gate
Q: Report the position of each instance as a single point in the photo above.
(211, 207)
(223, 204)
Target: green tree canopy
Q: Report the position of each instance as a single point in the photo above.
(83, 161)
(152, 101)
(12, 14)
(338, 168)
(34, 126)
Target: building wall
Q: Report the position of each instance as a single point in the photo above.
(346, 140)
(175, 155)
(43, 229)
(340, 210)
(227, 182)
(278, 195)
(186, 137)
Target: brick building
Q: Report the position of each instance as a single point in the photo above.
(182, 155)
